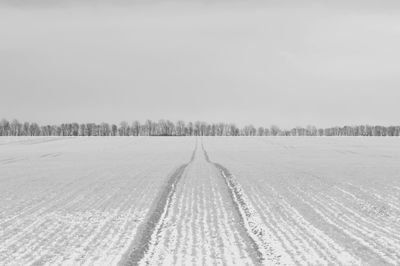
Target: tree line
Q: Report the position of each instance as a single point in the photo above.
(181, 128)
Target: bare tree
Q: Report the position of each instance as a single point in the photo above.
(136, 128)
(180, 128)
(275, 130)
(123, 128)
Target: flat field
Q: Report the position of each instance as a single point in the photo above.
(199, 201)
(79, 200)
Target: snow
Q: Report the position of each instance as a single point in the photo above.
(83, 205)
(327, 200)
(221, 200)
(199, 227)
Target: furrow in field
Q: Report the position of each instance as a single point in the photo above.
(306, 242)
(266, 248)
(146, 240)
(371, 231)
(199, 224)
(368, 249)
(50, 220)
(323, 207)
(74, 209)
(263, 240)
(373, 220)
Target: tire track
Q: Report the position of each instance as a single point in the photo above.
(148, 234)
(258, 237)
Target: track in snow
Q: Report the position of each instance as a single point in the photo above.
(251, 221)
(319, 207)
(199, 218)
(81, 203)
(292, 201)
(154, 222)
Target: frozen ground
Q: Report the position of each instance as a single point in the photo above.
(204, 201)
(321, 200)
(79, 200)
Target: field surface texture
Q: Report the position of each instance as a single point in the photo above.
(199, 201)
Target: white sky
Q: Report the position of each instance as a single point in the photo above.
(285, 64)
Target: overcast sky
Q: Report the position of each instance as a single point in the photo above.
(285, 64)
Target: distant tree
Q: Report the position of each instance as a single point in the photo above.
(123, 128)
(4, 127)
(149, 128)
(170, 128)
(114, 130)
(311, 130)
(105, 129)
(190, 129)
(275, 130)
(25, 129)
(82, 129)
(15, 127)
(180, 128)
(34, 130)
(136, 128)
(233, 130)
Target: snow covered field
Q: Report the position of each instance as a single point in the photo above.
(79, 200)
(321, 200)
(202, 201)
